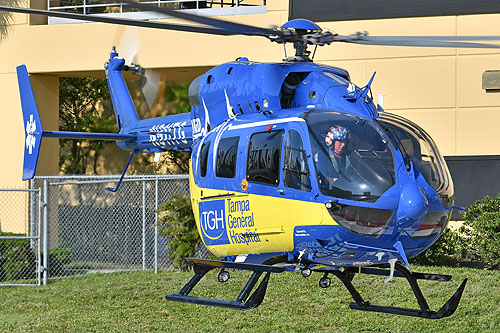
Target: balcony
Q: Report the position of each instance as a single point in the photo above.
(121, 10)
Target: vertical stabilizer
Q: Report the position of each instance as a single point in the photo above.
(126, 115)
(32, 124)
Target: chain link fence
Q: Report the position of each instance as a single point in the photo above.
(20, 260)
(93, 230)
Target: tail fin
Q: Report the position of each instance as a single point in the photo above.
(33, 125)
(125, 113)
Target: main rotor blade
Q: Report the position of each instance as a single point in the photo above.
(236, 28)
(430, 38)
(419, 41)
(120, 21)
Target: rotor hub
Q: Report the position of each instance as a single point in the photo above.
(302, 32)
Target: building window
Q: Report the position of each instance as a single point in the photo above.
(295, 169)
(227, 153)
(264, 153)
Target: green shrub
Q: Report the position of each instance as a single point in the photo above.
(445, 251)
(177, 223)
(58, 257)
(481, 229)
(17, 259)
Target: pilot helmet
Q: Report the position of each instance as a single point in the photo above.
(336, 133)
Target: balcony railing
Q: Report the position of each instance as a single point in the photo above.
(118, 9)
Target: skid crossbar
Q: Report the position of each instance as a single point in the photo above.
(244, 301)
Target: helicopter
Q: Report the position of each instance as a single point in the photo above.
(270, 191)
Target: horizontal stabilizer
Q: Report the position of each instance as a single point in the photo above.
(86, 135)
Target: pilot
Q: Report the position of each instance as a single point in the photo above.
(331, 167)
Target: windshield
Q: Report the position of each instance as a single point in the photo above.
(421, 150)
(351, 155)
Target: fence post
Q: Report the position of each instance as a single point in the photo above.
(45, 231)
(39, 232)
(143, 224)
(31, 216)
(156, 225)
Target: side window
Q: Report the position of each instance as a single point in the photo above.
(226, 157)
(204, 158)
(295, 169)
(264, 152)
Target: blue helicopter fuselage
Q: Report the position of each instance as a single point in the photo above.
(252, 194)
(256, 131)
(264, 179)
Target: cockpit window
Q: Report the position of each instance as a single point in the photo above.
(417, 146)
(352, 157)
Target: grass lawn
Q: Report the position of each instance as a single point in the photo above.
(135, 302)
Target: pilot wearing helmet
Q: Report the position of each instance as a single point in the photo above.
(330, 168)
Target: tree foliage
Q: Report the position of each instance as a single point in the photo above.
(481, 229)
(178, 224)
(85, 107)
(175, 100)
(81, 106)
(445, 251)
(6, 18)
(177, 95)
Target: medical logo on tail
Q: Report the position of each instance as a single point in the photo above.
(30, 137)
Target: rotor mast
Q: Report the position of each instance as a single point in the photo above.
(300, 33)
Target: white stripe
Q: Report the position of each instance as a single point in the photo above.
(225, 126)
(267, 122)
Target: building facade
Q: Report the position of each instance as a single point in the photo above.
(438, 88)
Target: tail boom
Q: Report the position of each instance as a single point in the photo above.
(140, 136)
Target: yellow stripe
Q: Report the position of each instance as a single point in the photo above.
(274, 219)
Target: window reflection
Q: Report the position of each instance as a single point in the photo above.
(363, 169)
(264, 153)
(421, 150)
(295, 169)
(204, 158)
(226, 157)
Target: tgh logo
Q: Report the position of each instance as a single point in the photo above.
(213, 222)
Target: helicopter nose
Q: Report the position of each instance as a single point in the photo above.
(413, 203)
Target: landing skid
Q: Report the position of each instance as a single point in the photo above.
(244, 301)
(359, 303)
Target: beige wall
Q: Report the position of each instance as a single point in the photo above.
(438, 88)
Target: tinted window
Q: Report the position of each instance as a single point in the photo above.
(226, 157)
(295, 170)
(420, 149)
(358, 166)
(264, 157)
(194, 91)
(204, 158)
